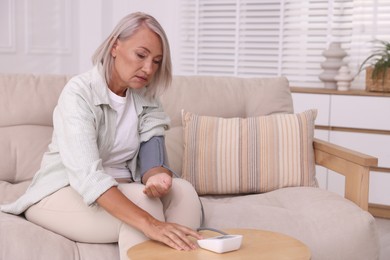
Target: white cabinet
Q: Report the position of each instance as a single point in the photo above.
(376, 145)
(357, 120)
(360, 112)
(319, 102)
(379, 192)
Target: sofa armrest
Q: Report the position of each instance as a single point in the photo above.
(353, 165)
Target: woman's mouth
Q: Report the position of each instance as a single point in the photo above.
(141, 78)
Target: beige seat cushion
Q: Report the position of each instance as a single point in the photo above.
(332, 227)
(25, 240)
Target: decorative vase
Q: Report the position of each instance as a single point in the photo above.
(343, 78)
(334, 60)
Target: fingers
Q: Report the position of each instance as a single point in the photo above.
(158, 185)
(156, 190)
(153, 191)
(193, 234)
(182, 241)
(173, 235)
(178, 238)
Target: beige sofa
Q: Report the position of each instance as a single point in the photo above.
(331, 226)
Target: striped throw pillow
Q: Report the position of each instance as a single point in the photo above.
(248, 155)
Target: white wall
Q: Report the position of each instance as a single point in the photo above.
(38, 36)
(60, 36)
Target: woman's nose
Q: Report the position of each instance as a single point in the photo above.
(148, 67)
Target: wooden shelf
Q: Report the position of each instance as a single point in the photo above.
(352, 92)
(380, 211)
(353, 129)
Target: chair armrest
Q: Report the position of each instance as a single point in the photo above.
(353, 165)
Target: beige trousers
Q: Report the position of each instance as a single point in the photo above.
(65, 213)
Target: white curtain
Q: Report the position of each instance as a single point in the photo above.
(252, 38)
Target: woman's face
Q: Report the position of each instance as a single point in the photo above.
(136, 60)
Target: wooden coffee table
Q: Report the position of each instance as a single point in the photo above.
(256, 244)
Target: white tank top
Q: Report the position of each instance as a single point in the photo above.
(126, 138)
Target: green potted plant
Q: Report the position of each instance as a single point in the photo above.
(377, 67)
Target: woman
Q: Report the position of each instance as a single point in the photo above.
(104, 178)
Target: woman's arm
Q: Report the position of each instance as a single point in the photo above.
(171, 234)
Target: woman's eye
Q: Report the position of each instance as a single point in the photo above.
(141, 56)
(158, 62)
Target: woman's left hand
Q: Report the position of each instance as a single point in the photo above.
(158, 184)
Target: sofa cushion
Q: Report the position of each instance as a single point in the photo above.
(10, 192)
(29, 99)
(222, 97)
(22, 148)
(20, 239)
(330, 225)
(226, 96)
(26, 126)
(248, 155)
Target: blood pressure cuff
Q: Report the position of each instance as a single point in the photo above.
(152, 154)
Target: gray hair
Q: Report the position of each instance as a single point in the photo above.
(124, 30)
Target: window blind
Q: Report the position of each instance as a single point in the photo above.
(278, 38)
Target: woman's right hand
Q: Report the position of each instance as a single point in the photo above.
(171, 234)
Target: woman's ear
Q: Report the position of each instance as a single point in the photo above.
(114, 48)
